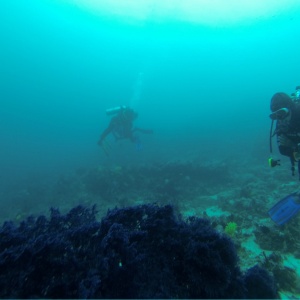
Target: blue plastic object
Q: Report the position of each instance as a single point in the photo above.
(285, 209)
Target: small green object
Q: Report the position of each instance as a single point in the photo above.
(230, 228)
(270, 161)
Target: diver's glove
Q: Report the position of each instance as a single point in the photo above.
(296, 153)
(296, 156)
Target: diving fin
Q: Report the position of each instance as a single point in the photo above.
(285, 209)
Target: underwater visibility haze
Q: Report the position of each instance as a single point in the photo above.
(200, 86)
(199, 73)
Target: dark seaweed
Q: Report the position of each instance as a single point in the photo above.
(136, 252)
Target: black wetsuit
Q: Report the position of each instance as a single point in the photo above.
(289, 129)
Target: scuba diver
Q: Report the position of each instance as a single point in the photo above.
(286, 112)
(121, 126)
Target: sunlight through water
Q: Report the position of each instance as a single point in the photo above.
(206, 12)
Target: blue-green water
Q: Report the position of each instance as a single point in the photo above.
(204, 90)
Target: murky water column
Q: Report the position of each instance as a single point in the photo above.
(137, 91)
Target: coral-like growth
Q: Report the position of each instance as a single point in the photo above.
(135, 252)
(230, 228)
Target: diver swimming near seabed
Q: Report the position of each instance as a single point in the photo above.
(286, 112)
(121, 127)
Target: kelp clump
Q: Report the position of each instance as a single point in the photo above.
(136, 252)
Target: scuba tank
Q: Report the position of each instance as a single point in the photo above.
(115, 110)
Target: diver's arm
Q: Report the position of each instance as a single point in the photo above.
(107, 131)
(104, 134)
(285, 145)
(286, 151)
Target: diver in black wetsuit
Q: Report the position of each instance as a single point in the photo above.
(286, 112)
(121, 125)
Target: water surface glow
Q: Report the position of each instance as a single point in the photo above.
(207, 12)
